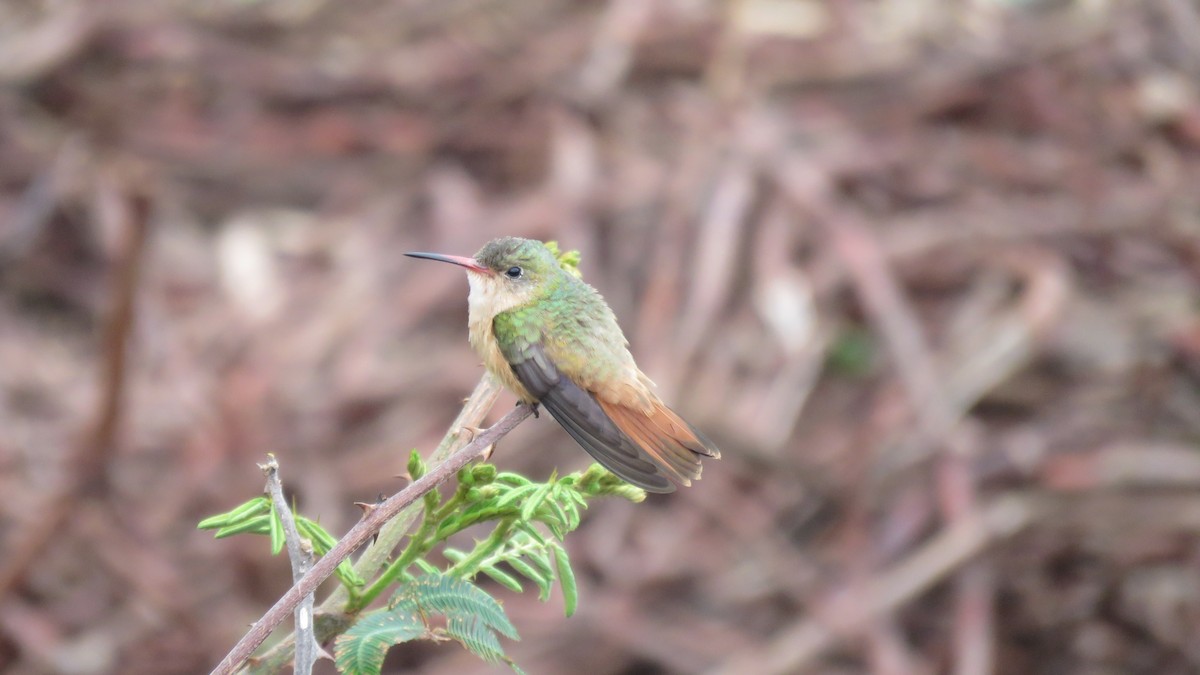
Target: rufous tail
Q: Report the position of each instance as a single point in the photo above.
(668, 441)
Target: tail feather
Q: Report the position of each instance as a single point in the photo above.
(672, 450)
(665, 438)
(664, 451)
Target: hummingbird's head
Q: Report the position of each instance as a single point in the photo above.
(507, 272)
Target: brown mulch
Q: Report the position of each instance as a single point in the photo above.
(929, 272)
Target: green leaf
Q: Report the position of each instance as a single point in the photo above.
(623, 490)
(465, 477)
(489, 492)
(475, 635)
(568, 260)
(528, 529)
(257, 525)
(416, 465)
(346, 574)
(573, 517)
(432, 499)
(483, 474)
(321, 540)
(513, 479)
(517, 494)
(566, 578)
(556, 529)
(476, 513)
(540, 558)
(252, 508)
(533, 574)
(452, 596)
(535, 500)
(553, 510)
(503, 578)
(362, 648)
(578, 498)
(473, 618)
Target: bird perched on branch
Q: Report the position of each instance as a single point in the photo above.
(551, 339)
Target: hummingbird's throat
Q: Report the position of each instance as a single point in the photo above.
(490, 297)
(493, 294)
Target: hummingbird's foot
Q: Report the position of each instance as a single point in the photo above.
(534, 407)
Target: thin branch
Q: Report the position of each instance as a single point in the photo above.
(475, 408)
(371, 522)
(300, 554)
(895, 318)
(334, 613)
(936, 415)
(90, 458)
(843, 614)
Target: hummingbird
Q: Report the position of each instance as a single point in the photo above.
(552, 340)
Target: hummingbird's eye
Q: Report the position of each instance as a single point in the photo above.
(513, 272)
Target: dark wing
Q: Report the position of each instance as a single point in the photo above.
(581, 415)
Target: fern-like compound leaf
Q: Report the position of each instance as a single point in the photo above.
(362, 648)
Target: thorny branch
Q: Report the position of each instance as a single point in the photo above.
(330, 614)
(371, 522)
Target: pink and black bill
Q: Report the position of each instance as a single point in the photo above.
(460, 260)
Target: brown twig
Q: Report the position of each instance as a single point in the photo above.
(375, 557)
(300, 554)
(91, 456)
(372, 520)
(330, 617)
(330, 614)
(846, 613)
(936, 414)
(999, 346)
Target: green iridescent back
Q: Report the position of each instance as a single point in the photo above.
(567, 317)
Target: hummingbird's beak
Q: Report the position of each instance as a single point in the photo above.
(471, 264)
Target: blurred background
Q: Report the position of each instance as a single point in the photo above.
(927, 270)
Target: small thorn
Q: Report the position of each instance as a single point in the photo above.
(487, 452)
(367, 510)
(368, 507)
(470, 432)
